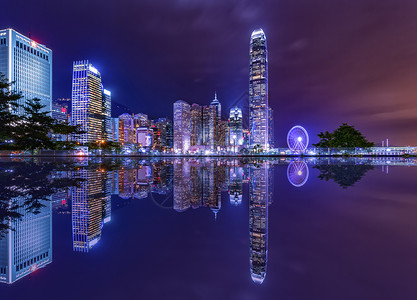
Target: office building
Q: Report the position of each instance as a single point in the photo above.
(87, 102)
(182, 126)
(235, 127)
(196, 125)
(209, 126)
(218, 107)
(106, 121)
(258, 91)
(29, 65)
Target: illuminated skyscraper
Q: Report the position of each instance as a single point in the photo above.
(87, 102)
(126, 129)
(218, 106)
(182, 126)
(106, 121)
(196, 125)
(209, 126)
(28, 246)
(29, 65)
(258, 90)
(271, 127)
(259, 193)
(235, 127)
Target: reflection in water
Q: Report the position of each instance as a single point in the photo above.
(259, 195)
(297, 173)
(84, 190)
(345, 175)
(29, 245)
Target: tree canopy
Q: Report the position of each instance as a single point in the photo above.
(346, 136)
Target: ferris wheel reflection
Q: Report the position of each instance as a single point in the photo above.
(297, 173)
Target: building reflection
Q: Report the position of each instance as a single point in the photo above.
(259, 197)
(91, 206)
(27, 245)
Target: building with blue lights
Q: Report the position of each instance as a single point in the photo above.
(258, 91)
(27, 64)
(236, 127)
(91, 104)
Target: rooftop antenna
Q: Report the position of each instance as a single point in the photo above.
(29, 34)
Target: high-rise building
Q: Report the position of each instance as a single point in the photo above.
(271, 127)
(141, 120)
(106, 121)
(27, 64)
(87, 102)
(235, 127)
(27, 245)
(182, 126)
(126, 129)
(209, 126)
(114, 125)
(222, 134)
(162, 128)
(218, 106)
(196, 125)
(258, 91)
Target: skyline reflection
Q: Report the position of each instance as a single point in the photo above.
(176, 184)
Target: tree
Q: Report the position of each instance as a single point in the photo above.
(346, 136)
(8, 105)
(34, 131)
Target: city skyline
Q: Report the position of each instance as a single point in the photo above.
(312, 78)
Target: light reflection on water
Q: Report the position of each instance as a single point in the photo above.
(84, 189)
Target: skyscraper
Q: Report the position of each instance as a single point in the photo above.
(29, 65)
(182, 126)
(218, 106)
(106, 121)
(209, 126)
(196, 125)
(258, 90)
(236, 127)
(270, 127)
(87, 101)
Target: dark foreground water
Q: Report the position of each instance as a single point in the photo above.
(208, 229)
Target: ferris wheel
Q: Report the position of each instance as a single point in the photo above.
(297, 173)
(297, 139)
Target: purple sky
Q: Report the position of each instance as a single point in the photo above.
(330, 61)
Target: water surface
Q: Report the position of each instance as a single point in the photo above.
(208, 229)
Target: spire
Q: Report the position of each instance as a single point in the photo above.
(215, 95)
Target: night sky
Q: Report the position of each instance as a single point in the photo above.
(330, 61)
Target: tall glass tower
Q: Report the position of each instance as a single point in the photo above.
(258, 91)
(182, 126)
(87, 101)
(29, 65)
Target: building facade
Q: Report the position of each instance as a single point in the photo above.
(236, 127)
(182, 126)
(218, 106)
(27, 64)
(87, 102)
(196, 125)
(258, 91)
(106, 121)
